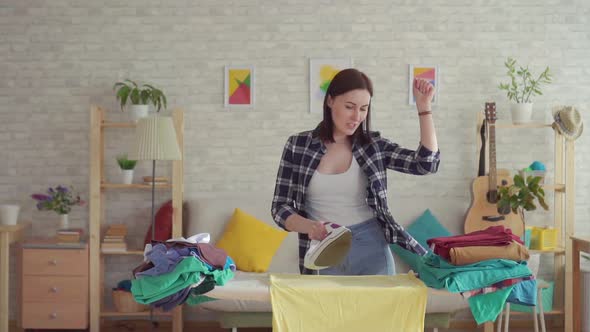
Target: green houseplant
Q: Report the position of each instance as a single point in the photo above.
(127, 166)
(520, 196)
(139, 97)
(522, 87)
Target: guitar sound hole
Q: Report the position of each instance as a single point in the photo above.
(492, 197)
(504, 210)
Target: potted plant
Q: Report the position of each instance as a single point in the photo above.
(140, 98)
(59, 199)
(521, 195)
(127, 166)
(521, 88)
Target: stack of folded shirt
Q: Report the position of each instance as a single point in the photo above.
(493, 242)
(487, 267)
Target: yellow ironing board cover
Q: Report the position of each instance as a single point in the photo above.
(306, 303)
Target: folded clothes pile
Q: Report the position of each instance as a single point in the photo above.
(488, 267)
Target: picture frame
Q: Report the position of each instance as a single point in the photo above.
(428, 72)
(321, 72)
(239, 86)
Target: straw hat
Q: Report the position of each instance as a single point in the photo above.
(568, 122)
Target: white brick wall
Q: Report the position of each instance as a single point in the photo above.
(57, 57)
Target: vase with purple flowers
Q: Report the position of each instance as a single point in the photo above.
(60, 200)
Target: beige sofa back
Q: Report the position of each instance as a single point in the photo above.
(209, 213)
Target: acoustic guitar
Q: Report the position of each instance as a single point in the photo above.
(483, 211)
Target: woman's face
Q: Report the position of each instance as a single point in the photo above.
(349, 110)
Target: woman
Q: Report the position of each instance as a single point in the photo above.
(337, 173)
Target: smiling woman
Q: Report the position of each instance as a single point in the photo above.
(336, 174)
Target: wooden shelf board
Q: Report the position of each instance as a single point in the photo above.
(525, 125)
(548, 251)
(559, 187)
(114, 313)
(127, 252)
(133, 186)
(552, 312)
(118, 125)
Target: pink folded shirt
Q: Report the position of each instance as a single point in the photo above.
(491, 236)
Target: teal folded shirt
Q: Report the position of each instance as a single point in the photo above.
(149, 289)
(435, 272)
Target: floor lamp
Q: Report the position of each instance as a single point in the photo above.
(155, 139)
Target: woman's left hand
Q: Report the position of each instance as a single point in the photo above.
(423, 92)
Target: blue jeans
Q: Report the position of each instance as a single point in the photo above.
(369, 253)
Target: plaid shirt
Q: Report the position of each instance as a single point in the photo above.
(301, 157)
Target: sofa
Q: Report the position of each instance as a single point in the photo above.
(245, 300)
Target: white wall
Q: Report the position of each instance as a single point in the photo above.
(58, 57)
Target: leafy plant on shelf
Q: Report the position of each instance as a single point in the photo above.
(522, 84)
(124, 163)
(145, 94)
(520, 196)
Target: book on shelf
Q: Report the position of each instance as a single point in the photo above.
(121, 246)
(69, 235)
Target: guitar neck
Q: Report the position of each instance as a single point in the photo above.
(493, 172)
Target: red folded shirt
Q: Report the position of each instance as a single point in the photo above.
(491, 236)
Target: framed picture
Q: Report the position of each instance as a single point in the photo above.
(428, 72)
(321, 73)
(239, 86)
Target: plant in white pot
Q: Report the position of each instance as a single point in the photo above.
(127, 166)
(521, 88)
(139, 97)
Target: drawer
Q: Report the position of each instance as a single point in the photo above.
(57, 289)
(70, 262)
(54, 316)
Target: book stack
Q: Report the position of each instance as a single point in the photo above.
(114, 239)
(69, 235)
(158, 180)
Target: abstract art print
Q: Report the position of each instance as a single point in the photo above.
(239, 86)
(427, 72)
(321, 73)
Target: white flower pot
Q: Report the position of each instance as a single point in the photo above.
(521, 112)
(9, 214)
(137, 112)
(64, 221)
(127, 176)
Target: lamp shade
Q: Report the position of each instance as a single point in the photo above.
(155, 139)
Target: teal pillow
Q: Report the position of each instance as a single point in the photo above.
(423, 228)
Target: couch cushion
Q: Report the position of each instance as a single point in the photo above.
(250, 242)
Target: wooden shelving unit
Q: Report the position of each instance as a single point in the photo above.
(98, 187)
(563, 211)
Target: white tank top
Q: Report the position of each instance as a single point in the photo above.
(339, 198)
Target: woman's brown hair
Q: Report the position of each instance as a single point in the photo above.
(346, 80)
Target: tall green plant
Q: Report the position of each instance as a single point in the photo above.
(130, 91)
(522, 85)
(521, 195)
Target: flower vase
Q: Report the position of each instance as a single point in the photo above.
(64, 222)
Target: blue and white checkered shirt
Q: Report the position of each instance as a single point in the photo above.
(301, 157)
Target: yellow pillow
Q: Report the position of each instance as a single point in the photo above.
(250, 242)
